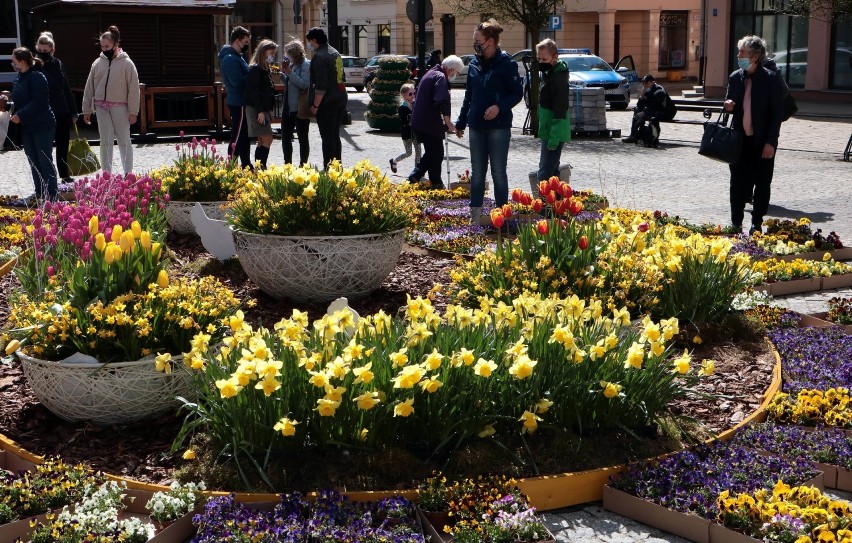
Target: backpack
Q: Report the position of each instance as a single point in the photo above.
(789, 106)
(648, 135)
(671, 109)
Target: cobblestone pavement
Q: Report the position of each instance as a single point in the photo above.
(811, 180)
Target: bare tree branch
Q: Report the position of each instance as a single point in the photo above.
(822, 10)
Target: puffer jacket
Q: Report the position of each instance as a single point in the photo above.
(113, 80)
(491, 82)
(30, 94)
(554, 125)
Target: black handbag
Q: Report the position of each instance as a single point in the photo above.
(720, 141)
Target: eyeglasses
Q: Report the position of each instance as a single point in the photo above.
(409, 93)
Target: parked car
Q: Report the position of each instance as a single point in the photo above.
(585, 70)
(461, 78)
(796, 61)
(372, 66)
(529, 54)
(353, 71)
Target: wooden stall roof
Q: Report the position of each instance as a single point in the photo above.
(136, 6)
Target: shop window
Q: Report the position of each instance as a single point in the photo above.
(674, 27)
(344, 41)
(360, 41)
(840, 75)
(786, 38)
(256, 16)
(384, 38)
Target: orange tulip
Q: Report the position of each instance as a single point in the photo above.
(544, 188)
(560, 207)
(526, 198)
(537, 205)
(497, 218)
(516, 195)
(543, 227)
(583, 243)
(554, 183)
(565, 190)
(507, 211)
(551, 197)
(575, 207)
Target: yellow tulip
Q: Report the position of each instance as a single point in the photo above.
(189, 454)
(136, 229)
(109, 255)
(116, 233)
(13, 346)
(162, 279)
(145, 240)
(93, 225)
(126, 242)
(100, 242)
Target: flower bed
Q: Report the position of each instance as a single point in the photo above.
(829, 448)
(814, 358)
(810, 407)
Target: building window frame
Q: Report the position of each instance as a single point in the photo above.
(674, 37)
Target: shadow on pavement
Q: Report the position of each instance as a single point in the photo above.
(814, 216)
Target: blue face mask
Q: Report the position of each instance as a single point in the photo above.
(743, 63)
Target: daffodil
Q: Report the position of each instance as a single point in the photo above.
(286, 426)
(404, 409)
(484, 368)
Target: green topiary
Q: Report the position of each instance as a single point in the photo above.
(381, 113)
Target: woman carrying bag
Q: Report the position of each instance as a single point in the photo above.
(259, 97)
(112, 93)
(296, 77)
(61, 100)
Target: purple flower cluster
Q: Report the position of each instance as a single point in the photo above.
(746, 245)
(331, 519)
(819, 358)
(823, 444)
(689, 481)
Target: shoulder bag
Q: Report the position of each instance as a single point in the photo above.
(81, 159)
(720, 141)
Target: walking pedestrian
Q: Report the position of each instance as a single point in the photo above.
(61, 100)
(296, 77)
(554, 126)
(756, 98)
(234, 68)
(328, 96)
(404, 113)
(493, 89)
(32, 111)
(112, 93)
(430, 119)
(259, 98)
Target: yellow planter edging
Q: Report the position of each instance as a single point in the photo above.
(7, 266)
(545, 493)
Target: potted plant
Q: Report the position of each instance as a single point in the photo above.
(317, 235)
(199, 174)
(384, 93)
(432, 495)
(99, 324)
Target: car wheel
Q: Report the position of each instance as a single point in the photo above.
(359, 88)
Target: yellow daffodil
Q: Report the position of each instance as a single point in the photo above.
(188, 454)
(286, 426)
(543, 406)
(610, 390)
(487, 431)
(404, 409)
(367, 400)
(530, 421)
(162, 363)
(484, 368)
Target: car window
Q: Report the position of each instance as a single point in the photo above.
(587, 64)
(466, 59)
(353, 62)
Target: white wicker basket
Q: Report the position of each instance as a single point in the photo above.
(179, 217)
(318, 268)
(114, 393)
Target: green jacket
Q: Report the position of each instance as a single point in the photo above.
(554, 124)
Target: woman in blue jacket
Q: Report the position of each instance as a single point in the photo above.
(33, 113)
(493, 89)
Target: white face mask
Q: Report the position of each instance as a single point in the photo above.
(270, 59)
(311, 47)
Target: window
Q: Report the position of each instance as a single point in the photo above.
(840, 74)
(673, 33)
(256, 16)
(383, 43)
(344, 40)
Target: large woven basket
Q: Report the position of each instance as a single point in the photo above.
(180, 221)
(320, 268)
(114, 393)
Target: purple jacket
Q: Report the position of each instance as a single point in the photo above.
(432, 103)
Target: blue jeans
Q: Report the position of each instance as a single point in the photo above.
(548, 161)
(38, 146)
(489, 146)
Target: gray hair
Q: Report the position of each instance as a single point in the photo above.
(453, 62)
(754, 45)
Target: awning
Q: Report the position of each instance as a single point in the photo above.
(137, 6)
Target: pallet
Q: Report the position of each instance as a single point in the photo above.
(606, 133)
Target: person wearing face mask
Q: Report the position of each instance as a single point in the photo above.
(756, 98)
(235, 69)
(61, 100)
(32, 112)
(554, 126)
(430, 119)
(651, 106)
(112, 93)
(296, 77)
(493, 89)
(327, 96)
(259, 97)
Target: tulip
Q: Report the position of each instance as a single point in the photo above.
(575, 207)
(551, 197)
(13, 346)
(497, 218)
(507, 211)
(537, 205)
(526, 198)
(136, 228)
(126, 241)
(116, 233)
(543, 227)
(145, 240)
(516, 195)
(100, 241)
(583, 243)
(109, 255)
(560, 206)
(155, 249)
(643, 226)
(544, 188)
(162, 279)
(565, 190)
(554, 183)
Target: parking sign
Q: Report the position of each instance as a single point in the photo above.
(555, 22)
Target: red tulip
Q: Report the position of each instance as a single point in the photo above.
(643, 226)
(575, 207)
(516, 195)
(496, 218)
(507, 211)
(526, 198)
(551, 197)
(543, 227)
(560, 207)
(554, 183)
(537, 205)
(544, 188)
(583, 243)
(565, 190)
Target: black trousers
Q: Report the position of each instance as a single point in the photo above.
(751, 175)
(291, 123)
(431, 160)
(329, 119)
(62, 138)
(240, 146)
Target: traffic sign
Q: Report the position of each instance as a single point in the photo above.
(411, 10)
(555, 22)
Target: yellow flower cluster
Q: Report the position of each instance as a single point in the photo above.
(832, 407)
(779, 270)
(11, 231)
(291, 200)
(200, 177)
(823, 519)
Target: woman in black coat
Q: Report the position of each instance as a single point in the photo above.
(61, 100)
(756, 98)
(259, 97)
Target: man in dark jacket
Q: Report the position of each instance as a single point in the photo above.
(327, 96)
(651, 106)
(756, 98)
(61, 100)
(235, 69)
